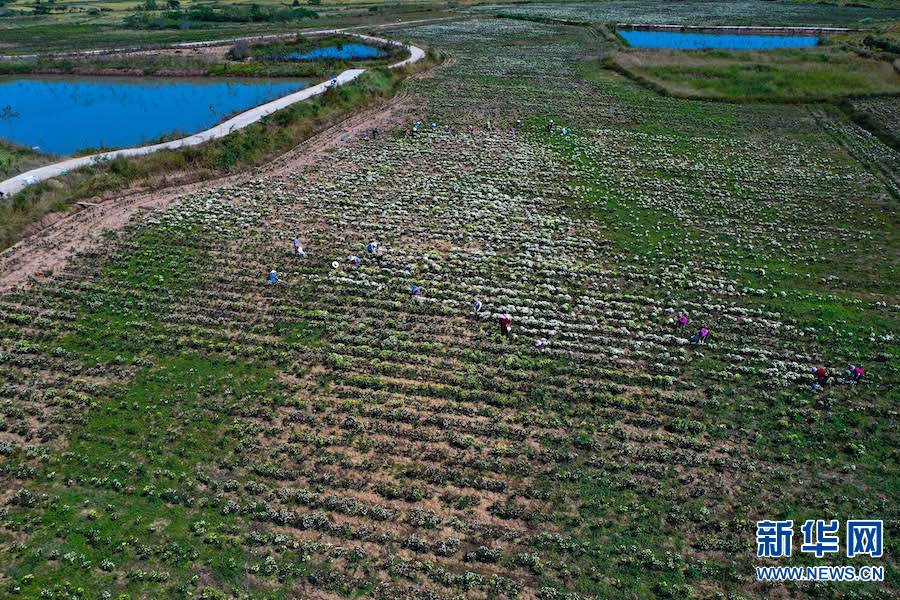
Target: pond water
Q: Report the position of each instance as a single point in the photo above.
(63, 114)
(335, 52)
(680, 40)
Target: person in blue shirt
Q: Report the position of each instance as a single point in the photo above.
(273, 276)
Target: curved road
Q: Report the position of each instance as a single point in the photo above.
(19, 182)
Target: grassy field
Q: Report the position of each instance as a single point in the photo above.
(172, 427)
(772, 75)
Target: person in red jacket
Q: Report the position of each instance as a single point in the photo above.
(822, 376)
(505, 322)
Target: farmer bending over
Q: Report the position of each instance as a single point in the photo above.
(298, 248)
(822, 376)
(505, 324)
(273, 277)
(681, 323)
(855, 373)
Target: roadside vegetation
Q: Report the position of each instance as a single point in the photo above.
(17, 159)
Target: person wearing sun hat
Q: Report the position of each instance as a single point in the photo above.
(822, 376)
(681, 323)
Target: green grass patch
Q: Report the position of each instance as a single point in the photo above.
(773, 76)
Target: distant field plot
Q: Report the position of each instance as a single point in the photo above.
(698, 12)
(791, 76)
(98, 25)
(881, 115)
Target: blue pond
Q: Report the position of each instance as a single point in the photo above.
(342, 52)
(63, 114)
(700, 41)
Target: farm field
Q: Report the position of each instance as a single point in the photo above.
(881, 115)
(72, 26)
(171, 426)
(784, 76)
(701, 12)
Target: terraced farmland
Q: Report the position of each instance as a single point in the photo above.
(172, 426)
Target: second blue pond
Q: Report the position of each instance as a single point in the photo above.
(679, 40)
(337, 52)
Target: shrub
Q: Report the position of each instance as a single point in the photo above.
(240, 51)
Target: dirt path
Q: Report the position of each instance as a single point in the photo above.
(37, 256)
